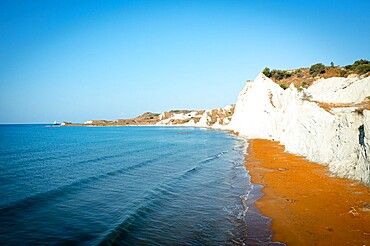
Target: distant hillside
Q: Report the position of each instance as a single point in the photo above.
(304, 77)
(214, 118)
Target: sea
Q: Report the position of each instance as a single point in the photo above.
(126, 186)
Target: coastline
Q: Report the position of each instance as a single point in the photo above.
(341, 216)
(306, 204)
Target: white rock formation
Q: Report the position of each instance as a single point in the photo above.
(340, 90)
(339, 139)
(213, 118)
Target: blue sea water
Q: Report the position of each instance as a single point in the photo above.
(125, 186)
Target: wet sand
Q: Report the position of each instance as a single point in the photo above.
(307, 205)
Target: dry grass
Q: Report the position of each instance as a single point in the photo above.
(297, 78)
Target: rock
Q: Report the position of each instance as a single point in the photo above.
(339, 139)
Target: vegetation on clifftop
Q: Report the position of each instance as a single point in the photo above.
(276, 74)
(304, 77)
(316, 69)
(360, 66)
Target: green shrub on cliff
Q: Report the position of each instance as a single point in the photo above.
(267, 72)
(276, 74)
(363, 68)
(284, 86)
(360, 62)
(316, 69)
(280, 74)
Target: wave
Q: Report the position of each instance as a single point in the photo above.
(77, 185)
(144, 205)
(199, 164)
(14, 172)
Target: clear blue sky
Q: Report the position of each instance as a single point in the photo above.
(74, 60)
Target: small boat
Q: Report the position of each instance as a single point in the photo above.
(55, 124)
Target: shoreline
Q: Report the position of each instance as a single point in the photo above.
(297, 217)
(307, 205)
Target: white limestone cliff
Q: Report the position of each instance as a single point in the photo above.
(340, 90)
(338, 138)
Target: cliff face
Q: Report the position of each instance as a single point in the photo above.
(328, 123)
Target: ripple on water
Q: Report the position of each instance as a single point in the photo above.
(127, 186)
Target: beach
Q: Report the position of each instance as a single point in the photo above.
(308, 206)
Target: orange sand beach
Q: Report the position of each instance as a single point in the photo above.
(306, 204)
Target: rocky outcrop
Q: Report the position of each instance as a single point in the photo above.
(337, 135)
(217, 118)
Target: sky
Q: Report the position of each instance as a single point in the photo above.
(68, 60)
